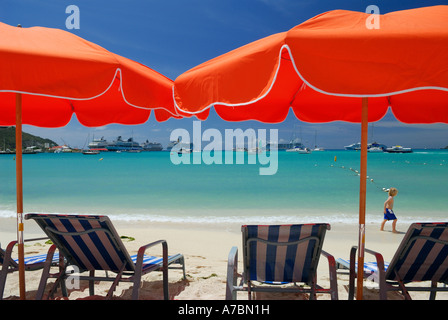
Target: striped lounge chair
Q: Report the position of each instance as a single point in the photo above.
(91, 243)
(421, 257)
(276, 255)
(32, 263)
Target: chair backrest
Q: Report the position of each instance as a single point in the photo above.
(89, 242)
(282, 253)
(422, 254)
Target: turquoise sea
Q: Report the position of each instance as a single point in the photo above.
(321, 186)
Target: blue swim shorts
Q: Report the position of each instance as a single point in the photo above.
(389, 215)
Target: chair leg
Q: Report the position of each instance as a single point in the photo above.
(136, 287)
(3, 274)
(232, 274)
(432, 295)
(165, 281)
(59, 282)
(92, 283)
(183, 267)
(166, 294)
(332, 274)
(46, 273)
(313, 289)
(249, 291)
(5, 268)
(116, 281)
(352, 277)
(404, 291)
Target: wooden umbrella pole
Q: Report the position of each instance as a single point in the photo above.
(362, 199)
(19, 186)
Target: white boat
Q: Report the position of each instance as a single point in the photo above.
(183, 150)
(316, 148)
(180, 147)
(90, 152)
(376, 145)
(295, 146)
(254, 151)
(375, 149)
(353, 146)
(177, 145)
(258, 148)
(304, 150)
(371, 147)
(299, 150)
(171, 145)
(398, 149)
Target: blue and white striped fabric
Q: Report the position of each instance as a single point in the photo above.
(149, 261)
(422, 255)
(31, 260)
(369, 267)
(90, 242)
(282, 253)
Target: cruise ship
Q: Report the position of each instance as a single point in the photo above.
(357, 146)
(100, 143)
(182, 145)
(152, 146)
(121, 145)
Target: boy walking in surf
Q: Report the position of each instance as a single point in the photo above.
(388, 210)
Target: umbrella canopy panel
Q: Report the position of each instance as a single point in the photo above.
(323, 67)
(59, 74)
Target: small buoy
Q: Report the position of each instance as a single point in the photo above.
(100, 159)
(335, 158)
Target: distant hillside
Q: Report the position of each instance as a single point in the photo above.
(8, 139)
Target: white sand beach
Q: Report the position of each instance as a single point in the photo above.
(206, 248)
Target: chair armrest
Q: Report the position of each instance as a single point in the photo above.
(139, 266)
(378, 256)
(379, 277)
(142, 250)
(332, 272)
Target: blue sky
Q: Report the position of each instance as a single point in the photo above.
(172, 36)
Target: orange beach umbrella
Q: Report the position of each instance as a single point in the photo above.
(340, 65)
(47, 75)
